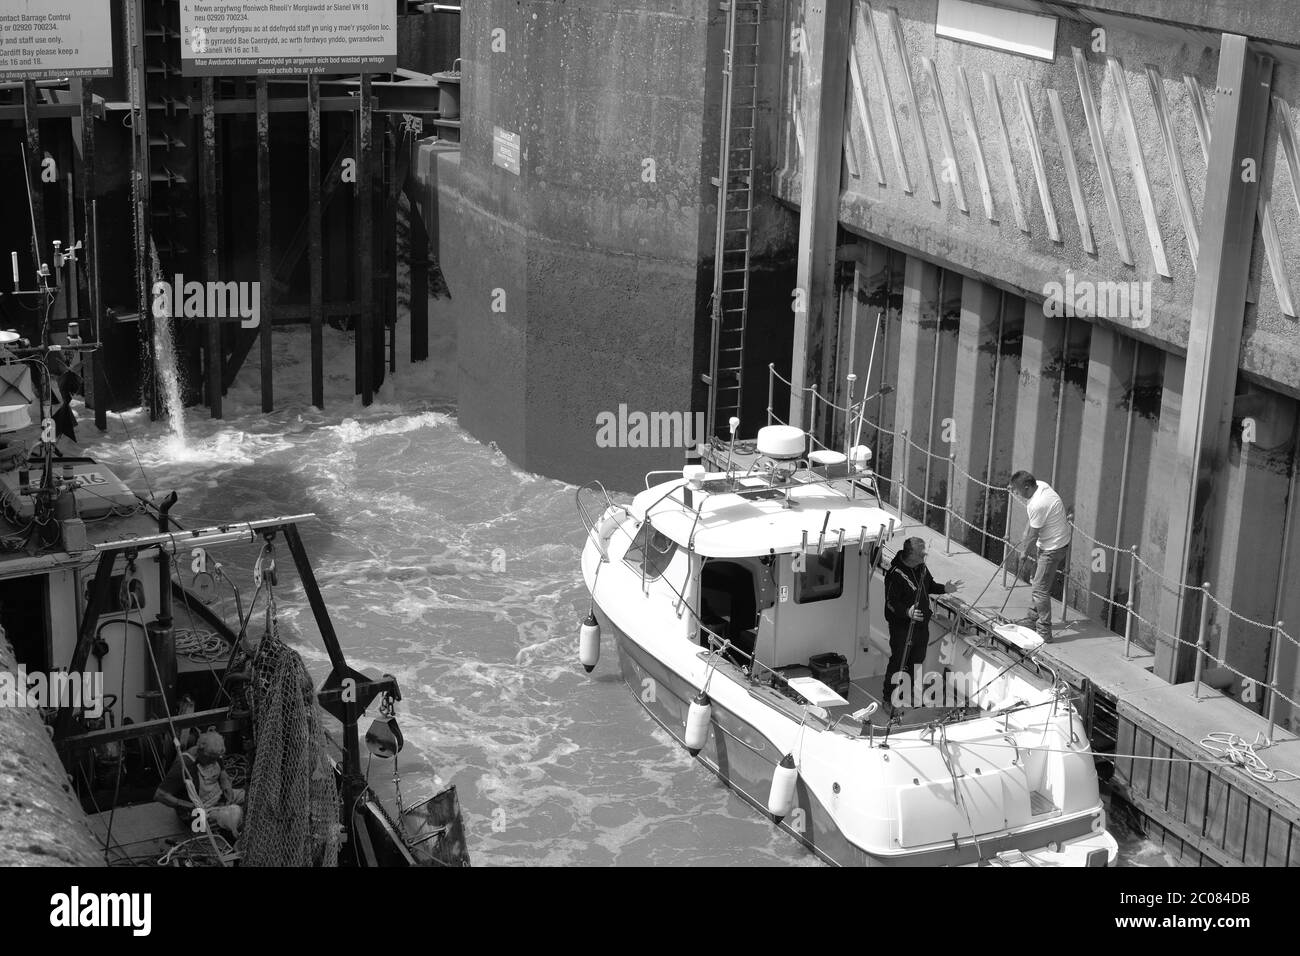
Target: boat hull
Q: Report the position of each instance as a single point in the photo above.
(744, 758)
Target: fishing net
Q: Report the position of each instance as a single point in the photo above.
(292, 806)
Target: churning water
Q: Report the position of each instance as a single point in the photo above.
(451, 569)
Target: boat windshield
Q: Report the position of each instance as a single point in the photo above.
(650, 552)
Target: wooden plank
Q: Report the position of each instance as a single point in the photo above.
(1290, 847)
(265, 274)
(1176, 795)
(1036, 158)
(864, 16)
(1200, 117)
(1257, 821)
(1234, 834)
(972, 128)
(1216, 809)
(1104, 173)
(214, 352)
(1138, 166)
(922, 145)
(1081, 214)
(1004, 142)
(945, 135)
(864, 115)
(1173, 153)
(1198, 785)
(1159, 789)
(364, 332)
(1280, 837)
(1142, 768)
(1124, 747)
(147, 728)
(315, 244)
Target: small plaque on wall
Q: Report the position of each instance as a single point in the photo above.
(505, 149)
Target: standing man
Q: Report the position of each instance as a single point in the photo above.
(1050, 529)
(908, 586)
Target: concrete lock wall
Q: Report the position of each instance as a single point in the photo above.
(581, 284)
(574, 283)
(987, 375)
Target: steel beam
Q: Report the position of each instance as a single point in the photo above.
(826, 28)
(1196, 492)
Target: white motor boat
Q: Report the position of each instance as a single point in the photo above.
(747, 611)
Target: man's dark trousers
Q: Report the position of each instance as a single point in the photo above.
(915, 657)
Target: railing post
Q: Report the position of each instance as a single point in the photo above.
(1006, 543)
(902, 480)
(947, 511)
(1064, 572)
(1128, 607)
(1272, 677)
(1200, 637)
(852, 380)
(771, 388)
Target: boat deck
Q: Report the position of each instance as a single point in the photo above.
(139, 833)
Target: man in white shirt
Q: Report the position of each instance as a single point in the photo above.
(1050, 529)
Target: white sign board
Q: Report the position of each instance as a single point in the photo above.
(49, 39)
(505, 149)
(287, 37)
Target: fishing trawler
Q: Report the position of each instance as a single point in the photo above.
(746, 606)
(104, 589)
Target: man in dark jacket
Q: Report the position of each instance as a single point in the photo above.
(908, 586)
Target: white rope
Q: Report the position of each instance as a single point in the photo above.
(1234, 749)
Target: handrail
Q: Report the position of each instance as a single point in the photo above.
(1140, 568)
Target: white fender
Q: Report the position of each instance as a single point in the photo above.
(589, 643)
(780, 799)
(697, 723)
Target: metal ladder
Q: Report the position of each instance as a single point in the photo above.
(735, 182)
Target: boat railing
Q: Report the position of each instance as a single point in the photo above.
(1119, 608)
(603, 502)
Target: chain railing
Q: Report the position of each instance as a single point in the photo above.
(1140, 570)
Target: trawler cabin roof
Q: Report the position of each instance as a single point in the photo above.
(754, 518)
